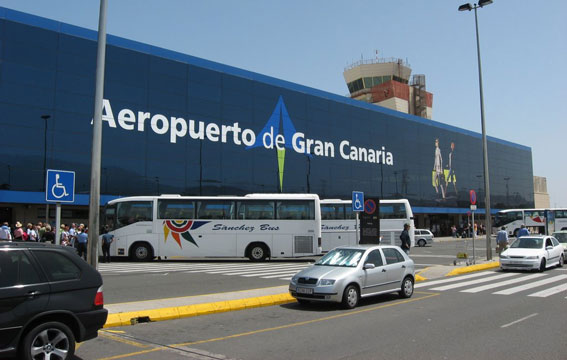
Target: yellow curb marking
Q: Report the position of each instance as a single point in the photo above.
(301, 323)
(473, 268)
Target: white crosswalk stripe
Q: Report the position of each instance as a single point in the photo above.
(268, 270)
(494, 280)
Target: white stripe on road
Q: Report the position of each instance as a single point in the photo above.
(269, 272)
(453, 279)
(551, 291)
(472, 282)
(519, 320)
(531, 285)
(502, 283)
(257, 270)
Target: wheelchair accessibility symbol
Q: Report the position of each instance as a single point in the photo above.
(60, 186)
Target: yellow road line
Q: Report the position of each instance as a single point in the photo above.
(281, 327)
(122, 340)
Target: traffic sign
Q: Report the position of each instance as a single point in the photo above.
(357, 201)
(370, 206)
(60, 186)
(472, 194)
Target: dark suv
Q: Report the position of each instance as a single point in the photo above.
(49, 299)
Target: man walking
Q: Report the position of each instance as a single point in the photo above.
(406, 241)
(523, 231)
(501, 240)
(82, 239)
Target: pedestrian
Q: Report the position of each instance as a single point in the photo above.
(405, 237)
(454, 231)
(73, 235)
(107, 239)
(32, 234)
(501, 240)
(48, 235)
(64, 237)
(523, 231)
(82, 239)
(41, 228)
(5, 233)
(19, 232)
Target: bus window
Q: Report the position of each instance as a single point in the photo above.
(560, 214)
(255, 210)
(131, 212)
(349, 214)
(109, 219)
(295, 210)
(393, 211)
(176, 209)
(215, 209)
(332, 212)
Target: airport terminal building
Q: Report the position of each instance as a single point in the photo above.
(177, 124)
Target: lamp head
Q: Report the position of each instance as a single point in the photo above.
(482, 3)
(45, 117)
(465, 7)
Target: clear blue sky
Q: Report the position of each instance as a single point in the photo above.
(523, 47)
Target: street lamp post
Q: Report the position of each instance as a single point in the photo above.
(469, 7)
(45, 118)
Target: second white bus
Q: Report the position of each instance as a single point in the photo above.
(257, 226)
(338, 222)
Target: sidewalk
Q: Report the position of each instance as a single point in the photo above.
(131, 313)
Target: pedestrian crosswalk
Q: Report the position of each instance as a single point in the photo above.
(499, 283)
(267, 270)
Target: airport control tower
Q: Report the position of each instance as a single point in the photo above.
(386, 82)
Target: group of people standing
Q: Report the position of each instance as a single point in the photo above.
(502, 237)
(38, 232)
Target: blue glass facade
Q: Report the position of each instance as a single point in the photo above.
(178, 124)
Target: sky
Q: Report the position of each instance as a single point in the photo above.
(522, 44)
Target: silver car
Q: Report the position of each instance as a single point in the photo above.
(346, 274)
(423, 237)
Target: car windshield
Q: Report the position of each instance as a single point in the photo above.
(561, 237)
(341, 257)
(527, 243)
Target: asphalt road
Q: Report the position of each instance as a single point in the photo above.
(127, 281)
(455, 321)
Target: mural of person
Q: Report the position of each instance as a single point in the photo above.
(451, 177)
(438, 175)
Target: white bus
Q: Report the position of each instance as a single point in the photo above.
(537, 220)
(257, 226)
(338, 222)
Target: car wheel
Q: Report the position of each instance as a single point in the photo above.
(421, 243)
(561, 261)
(350, 297)
(52, 340)
(141, 252)
(542, 265)
(258, 252)
(407, 287)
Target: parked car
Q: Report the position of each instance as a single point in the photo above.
(50, 298)
(423, 237)
(532, 253)
(561, 236)
(346, 274)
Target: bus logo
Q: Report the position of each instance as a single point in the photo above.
(181, 227)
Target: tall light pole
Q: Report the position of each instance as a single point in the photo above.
(45, 118)
(94, 201)
(469, 7)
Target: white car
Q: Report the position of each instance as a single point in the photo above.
(423, 237)
(532, 253)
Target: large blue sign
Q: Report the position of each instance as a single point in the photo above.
(60, 186)
(357, 201)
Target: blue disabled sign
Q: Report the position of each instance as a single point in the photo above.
(357, 201)
(60, 186)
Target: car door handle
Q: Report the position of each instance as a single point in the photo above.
(383, 270)
(403, 266)
(32, 294)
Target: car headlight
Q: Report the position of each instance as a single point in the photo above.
(294, 279)
(532, 257)
(326, 282)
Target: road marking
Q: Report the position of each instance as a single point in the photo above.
(276, 328)
(519, 320)
(472, 282)
(453, 279)
(118, 338)
(551, 291)
(502, 283)
(531, 285)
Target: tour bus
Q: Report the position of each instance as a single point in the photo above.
(338, 222)
(540, 221)
(257, 226)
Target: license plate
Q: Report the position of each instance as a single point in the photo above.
(301, 290)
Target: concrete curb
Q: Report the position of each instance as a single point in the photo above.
(179, 312)
(473, 268)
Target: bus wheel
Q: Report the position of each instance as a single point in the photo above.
(141, 252)
(258, 252)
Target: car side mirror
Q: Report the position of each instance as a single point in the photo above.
(549, 248)
(369, 266)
